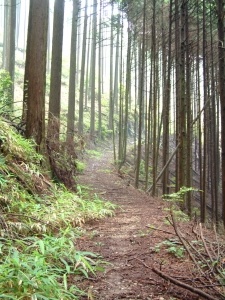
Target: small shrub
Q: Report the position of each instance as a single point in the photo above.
(171, 247)
(5, 92)
(80, 166)
(177, 201)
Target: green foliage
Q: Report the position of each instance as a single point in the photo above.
(178, 214)
(94, 153)
(172, 247)
(5, 92)
(40, 215)
(39, 268)
(105, 132)
(95, 207)
(80, 166)
(39, 224)
(143, 168)
(179, 196)
(14, 146)
(177, 200)
(3, 172)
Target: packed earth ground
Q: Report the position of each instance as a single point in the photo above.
(130, 240)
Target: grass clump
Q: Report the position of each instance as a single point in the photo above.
(80, 165)
(35, 268)
(94, 153)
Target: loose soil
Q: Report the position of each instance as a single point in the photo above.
(127, 243)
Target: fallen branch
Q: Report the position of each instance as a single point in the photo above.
(209, 268)
(141, 261)
(158, 229)
(182, 240)
(183, 285)
(204, 243)
(164, 168)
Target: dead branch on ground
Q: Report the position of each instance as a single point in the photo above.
(184, 285)
(207, 254)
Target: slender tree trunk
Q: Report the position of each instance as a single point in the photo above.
(127, 95)
(82, 74)
(72, 76)
(213, 138)
(56, 70)
(203, 203)
(93, 70)
(154, 159)
(111, 102)
(88, 65)
(221, 52)
(100, 72)
(182, 171)
(140, 85)
(116, 74)
(166, 108)
(188, 111)
(9, 41)
(120, 129)
(178, 92)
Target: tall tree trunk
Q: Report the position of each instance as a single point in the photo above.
(127, 95)
(221, 52)
(111, 102)
(100, 44)
(178, 92)
(140, 98)
(56, 71)
(88, 65)
(82, 74)
(72, 76)
(121, 96)
(35, 71)
(166, 107)
(116, 74)
(9, 41)
(188, 154)
(213, 137)
(182, 131)
(203, 202)
(93, 70)
(154, 102)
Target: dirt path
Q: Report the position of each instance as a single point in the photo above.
(125, 240)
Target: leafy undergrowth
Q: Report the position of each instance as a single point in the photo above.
(39, 223)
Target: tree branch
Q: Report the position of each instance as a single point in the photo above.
(183, 285)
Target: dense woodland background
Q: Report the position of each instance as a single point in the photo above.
(147, 74)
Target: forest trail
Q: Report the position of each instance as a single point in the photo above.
(125, 241)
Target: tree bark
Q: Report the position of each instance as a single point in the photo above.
(93, 70)
(56, 70)
(221, 52)
(72, 76)
(35, 71)
(82, 74)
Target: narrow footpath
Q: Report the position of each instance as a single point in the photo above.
(125, 240)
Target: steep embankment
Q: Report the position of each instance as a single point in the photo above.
(127, 242)
(39, 223)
